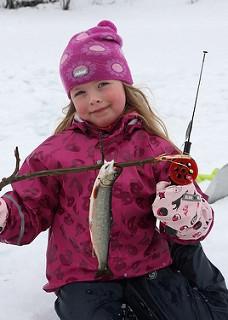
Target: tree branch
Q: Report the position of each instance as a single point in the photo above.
(15, 178)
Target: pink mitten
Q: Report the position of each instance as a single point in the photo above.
(3, 214)
(183, 209)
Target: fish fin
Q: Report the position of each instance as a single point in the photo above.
(104, 272)
(95, 191)
(118, 171)
(93, 253)
(90, 222)
(92, 248)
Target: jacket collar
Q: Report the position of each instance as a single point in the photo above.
(126, 123)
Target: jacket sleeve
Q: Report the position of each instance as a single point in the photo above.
(3, 214)
(31, 204)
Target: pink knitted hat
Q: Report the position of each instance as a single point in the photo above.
(94, 54)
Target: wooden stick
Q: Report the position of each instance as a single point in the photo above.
(15, 178)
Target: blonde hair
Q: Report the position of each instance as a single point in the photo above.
(69, 112)
(135, 101)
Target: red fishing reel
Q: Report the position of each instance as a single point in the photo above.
(183, 170)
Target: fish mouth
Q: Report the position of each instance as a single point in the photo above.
(107, 183)
(110, 181)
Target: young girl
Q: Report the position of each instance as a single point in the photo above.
(108, 119)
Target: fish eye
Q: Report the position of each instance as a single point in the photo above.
(116, 173)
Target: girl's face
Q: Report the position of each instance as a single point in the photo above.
(99, 102)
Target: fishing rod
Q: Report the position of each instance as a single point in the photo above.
(182, 171)
(185, 170)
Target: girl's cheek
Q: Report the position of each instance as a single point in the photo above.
(81, 108)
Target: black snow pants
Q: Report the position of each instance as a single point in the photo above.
(191, 289)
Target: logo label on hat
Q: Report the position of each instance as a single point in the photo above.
(80, 71)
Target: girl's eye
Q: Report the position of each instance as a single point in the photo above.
(78, 93)
(102, 84)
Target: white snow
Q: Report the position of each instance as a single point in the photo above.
(164, 42)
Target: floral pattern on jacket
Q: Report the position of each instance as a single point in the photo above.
(61, 203)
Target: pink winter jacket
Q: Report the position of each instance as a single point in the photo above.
(61, 203)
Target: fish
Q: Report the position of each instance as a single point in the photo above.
(100, 215)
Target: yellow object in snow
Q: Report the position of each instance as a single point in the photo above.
(202, 177)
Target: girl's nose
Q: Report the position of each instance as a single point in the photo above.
(95, 101)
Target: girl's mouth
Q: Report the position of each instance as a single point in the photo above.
(99, 110)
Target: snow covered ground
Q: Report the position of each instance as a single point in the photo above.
(163, 41)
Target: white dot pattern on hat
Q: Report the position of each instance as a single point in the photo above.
(117, 67)
(112, 37)
(80, 71)
(64, 58)
(93, 55)
(97, 48)
(81, 36)
(109, 38)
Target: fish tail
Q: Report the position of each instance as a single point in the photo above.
(104, 272)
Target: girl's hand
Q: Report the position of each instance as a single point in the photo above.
(183, 209)
(3, 214)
